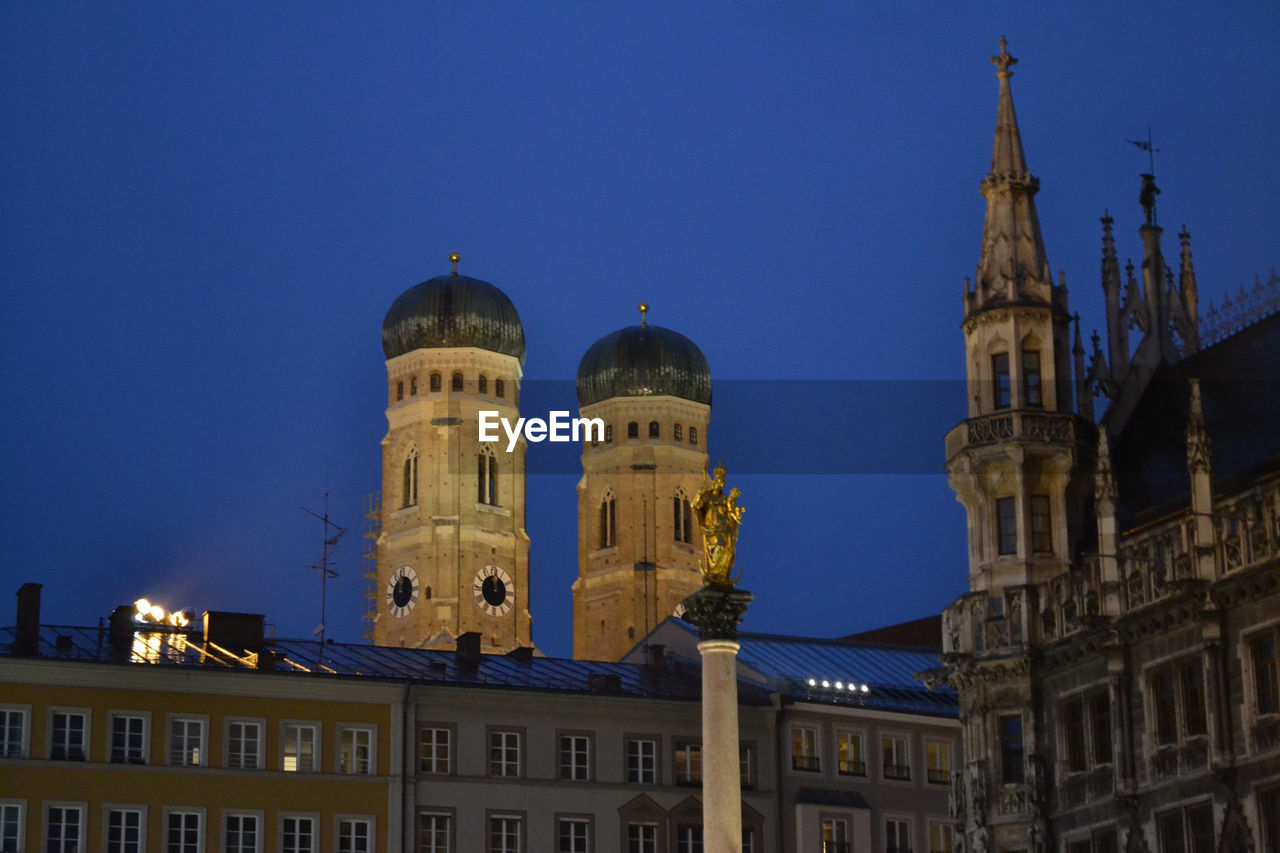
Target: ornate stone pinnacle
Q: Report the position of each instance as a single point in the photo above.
(454, 257)
(1004, 61)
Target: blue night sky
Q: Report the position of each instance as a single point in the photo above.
(209, 207)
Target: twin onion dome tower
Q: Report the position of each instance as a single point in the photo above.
(452, 549)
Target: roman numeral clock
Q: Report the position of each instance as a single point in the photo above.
(493, 590)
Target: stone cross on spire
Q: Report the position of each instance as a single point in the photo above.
(1004, 61)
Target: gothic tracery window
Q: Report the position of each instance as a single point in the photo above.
(608, 521)
(487, 479)
(409, 486)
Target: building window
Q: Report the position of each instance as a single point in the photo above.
(244, 745)
(573, 835)
(182, 832)
(1266, 674)
(1191, 680)
(633, 430)
(655, 430)
(13, 828)
(433, 750)
(124, 831)
(1011, 749)
(413, 386)
(608, 433)
(504, 753)
(487, 479)
(745, 761)
(355, 835)
(435, 832)
(642, 762)
(896, 762)
(1100, 727)
(937, 756)
(1031, 378)
(455, 382)
(297, 834)
(68, 735)
(298, 741)
(851, 757)
(1102, 841)
(186, 742)
(682, 517)
(355, 750)
(409, 488)
(64, 829)
(940, 837)
(1041, 525)
(241, 833)
(642, 838)
(399, 390)
(433, 383)
(504, 834)
(1177, 702)
(804, 749)
(608, 520)
(575, 758)
(1269, 814)
(748, 839)
(128, 741)
(1073, 735)
(676, 432)
(688, 764)
(499, 388)
(1006, 526)
(688, 838)
(13, 733)
(483, 384)
(1186, 830)
(835, 835)
(897, 836)
(693, 436)
(1000, 377)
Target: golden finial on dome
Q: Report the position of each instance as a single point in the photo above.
(454, 257)
(644, 309)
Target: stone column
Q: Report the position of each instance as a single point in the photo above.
(716, 613)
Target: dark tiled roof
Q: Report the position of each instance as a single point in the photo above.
(643, 361)
(350, 660)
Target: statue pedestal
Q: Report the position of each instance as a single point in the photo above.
(716, 614)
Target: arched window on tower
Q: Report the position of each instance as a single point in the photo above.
(608, 521)
(1000, 380)
(456, 383)
(409, 488)
(654, 429)
(1031, 393)
(676, 433)
(693, 436)
(484, 384)
(487, 478)
(399, 390)
(682, 521)
(435, 382)
(499, 388)
(413, 386)
(633, 430)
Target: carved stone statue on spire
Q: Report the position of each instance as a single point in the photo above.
(1147, 197)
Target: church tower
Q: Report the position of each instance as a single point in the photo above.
(639, 549)
(453, 554)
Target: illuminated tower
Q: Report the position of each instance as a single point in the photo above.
(639, 549)
(453, 554)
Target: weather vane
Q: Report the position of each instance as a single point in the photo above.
(1147, 147)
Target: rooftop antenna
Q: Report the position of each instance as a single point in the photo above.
(332, 533)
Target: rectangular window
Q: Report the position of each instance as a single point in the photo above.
(127, 740)
(1164, 703)
(124, 831)
(64, 829)
(244, 745)
(642, 762)
(1041, 525)
(68, 736)
(1000, 377)
(1191, 680)
(745, 775)
(897, 836)
(688, 839)
(1269, 815)
(804, 749)
(1072, 713)
(835, 835)
(504, 754)
(1186, 830)
(1031, 378)
(1266, 676)
(1007, 525)
(435, 832)
(297, 834)
(182, 832)
(13, 733)
(575, 757)
(896, 763)
(12, 824)
(298, 742)
(1104, 841)
(688, 765)
(642, 838)
(850, 754)
(1100, 726)
(241, 833)
(748, 840)
(355, 835)
(355, 750)
(504, 834)
(573, 835)
(940, 837)
(433, 750)
(186, 742)
(937, 755)
(1011, 749)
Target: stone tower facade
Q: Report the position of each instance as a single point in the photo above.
(639, 548)
(453, 553)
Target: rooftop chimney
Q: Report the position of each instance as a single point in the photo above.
(27, 640)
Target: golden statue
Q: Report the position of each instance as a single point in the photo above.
(719, 516)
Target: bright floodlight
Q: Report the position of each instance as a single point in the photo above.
(839, 685)
(826, 683)
(157, 612)
(143, 606)
(866, 689)
(813, 682)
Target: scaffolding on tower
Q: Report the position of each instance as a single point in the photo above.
(372, 529)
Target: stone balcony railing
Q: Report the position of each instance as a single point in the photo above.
(1020, 426)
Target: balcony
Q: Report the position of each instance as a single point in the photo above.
(808, 763)
(849, 767)
(1057, 428)
(938, 776)
(900, 772)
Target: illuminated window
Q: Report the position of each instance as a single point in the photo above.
(13, 733)
(486, 478)
(434, 832)
(896, 761)
(186, 742)
(682, 519)
(642, 762)
(298, 745)
(64, 829)
(183, 832)
(241, 833)
(128, 739)
(575, 757)
(504, 753)
(124, 831)
(433, 750)
(355, 750)
(940, 835)
(455, 383)
(1000, 377)
(937, 760)
(654, 429)
(355, 835)
(297, 834)
(1041, 525)
(835, 835)
(505, 834)
(804, 749)
(633, 429)
(573, 835)
(69, 735)
(244, 745)
(688, 763)
(409, 486)
(1006, 526)
(433, 382)
(483, 384)
(608, 522)
(1031, 378)
(850, 755)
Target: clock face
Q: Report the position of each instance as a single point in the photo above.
(402, 591)
(494, 591)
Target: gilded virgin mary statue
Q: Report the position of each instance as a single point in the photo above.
(718, 515)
